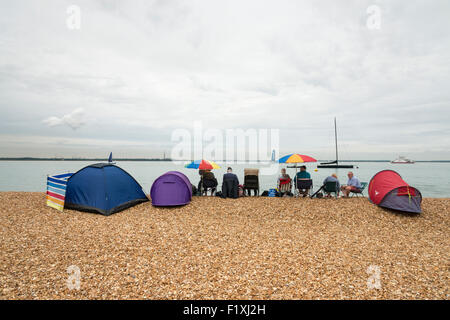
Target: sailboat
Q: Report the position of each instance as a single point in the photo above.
(335, 164)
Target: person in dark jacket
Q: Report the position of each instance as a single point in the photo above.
(207, 181)
(230, 185)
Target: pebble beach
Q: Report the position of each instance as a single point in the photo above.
(213, 248)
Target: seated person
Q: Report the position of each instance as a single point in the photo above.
(209, 181)
(284, 182)
(230, 185)
(302, 175)
(332, 178)
(353, 185)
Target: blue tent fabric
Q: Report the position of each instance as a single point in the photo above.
(103, 188)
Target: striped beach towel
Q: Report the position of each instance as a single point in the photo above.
(56, 190)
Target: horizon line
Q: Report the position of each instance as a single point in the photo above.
(169, 159)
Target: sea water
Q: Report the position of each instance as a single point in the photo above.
(431, 178)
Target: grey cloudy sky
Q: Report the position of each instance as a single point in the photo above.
(136, 70)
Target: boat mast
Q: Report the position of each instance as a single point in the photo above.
(335, 139)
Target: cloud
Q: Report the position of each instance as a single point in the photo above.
(75, 119)
(149, 67)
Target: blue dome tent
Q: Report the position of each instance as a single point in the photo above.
(102, 188)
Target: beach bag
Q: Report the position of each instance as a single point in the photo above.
(265, 193)
(241, 191)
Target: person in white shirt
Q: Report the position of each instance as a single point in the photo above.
(353, 185)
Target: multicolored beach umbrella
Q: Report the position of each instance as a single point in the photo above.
(56, 190)
(296, 158)
(202, 165)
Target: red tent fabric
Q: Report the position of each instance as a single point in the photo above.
(387, 189)
(384, 182)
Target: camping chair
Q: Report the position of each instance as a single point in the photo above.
(304, 184)
(360, 192)
(331, 187)
(209, 185)
(251, 181)
(285, 185)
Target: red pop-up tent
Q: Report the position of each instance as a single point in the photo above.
(387, 189)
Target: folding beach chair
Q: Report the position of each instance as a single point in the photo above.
(303, 184)
(285, 185)
(360, 192)
(251, 181)
(331, 187)
(209, 185)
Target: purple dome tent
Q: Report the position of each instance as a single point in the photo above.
(171, 189)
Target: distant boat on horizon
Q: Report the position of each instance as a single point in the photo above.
(334, 164)
(402, 160)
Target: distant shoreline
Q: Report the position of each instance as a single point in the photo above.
(168, 159)
(81, 159)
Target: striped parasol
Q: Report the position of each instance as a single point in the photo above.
(296, 158)
(202, 165)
